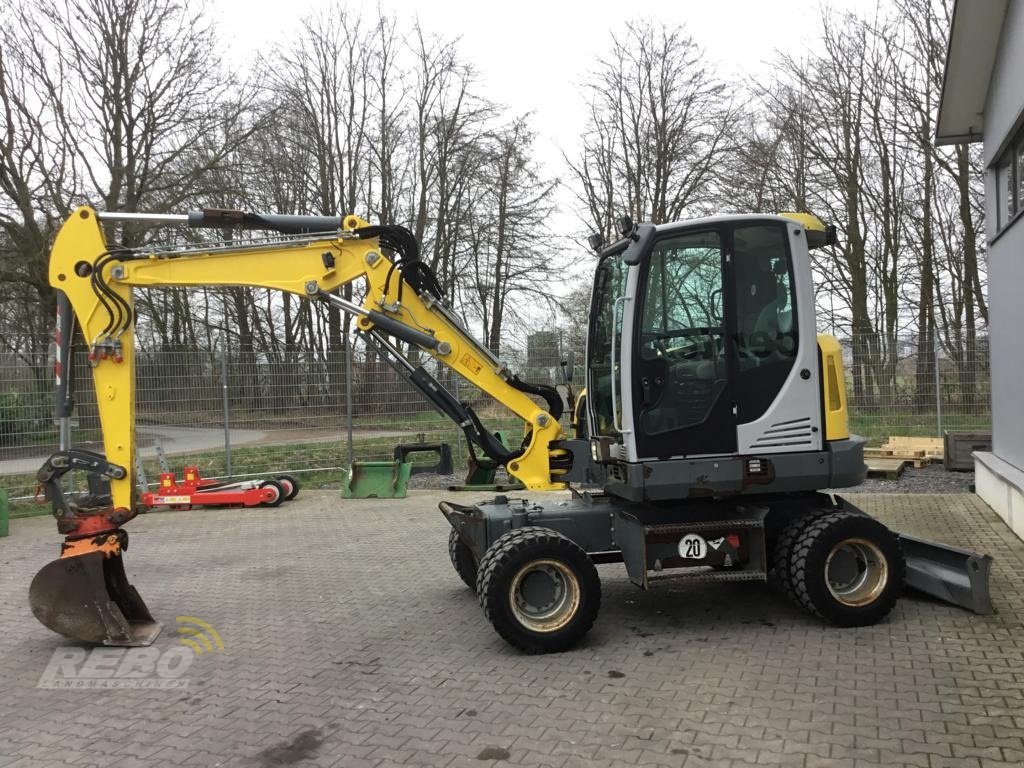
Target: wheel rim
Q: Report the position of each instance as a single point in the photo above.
(275, 490)
(545, 595)
(856, 572)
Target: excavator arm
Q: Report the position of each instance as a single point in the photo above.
(85, 594)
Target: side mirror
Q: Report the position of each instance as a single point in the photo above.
(641, 244)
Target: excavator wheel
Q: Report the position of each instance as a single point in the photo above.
(782, 555)
(847, 568)
(279, 494)
(539, 589)
(88, 598)
(462, 559)
(290, 485)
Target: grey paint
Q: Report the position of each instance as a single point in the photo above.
(840, 465)
(1005, 102)
(799, 399)
(1006, 319)
(1004, 109)
(796, 393)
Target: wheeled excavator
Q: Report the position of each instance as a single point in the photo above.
(713, 425)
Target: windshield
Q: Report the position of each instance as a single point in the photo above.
(606, 323)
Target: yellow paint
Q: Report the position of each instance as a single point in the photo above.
(81, 239)
(833, 388)
(291, 267)
(471, 363)
(198, 635)
(579, 413)
(806, 220)
(817, 234)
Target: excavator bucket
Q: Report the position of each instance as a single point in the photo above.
(88, 598)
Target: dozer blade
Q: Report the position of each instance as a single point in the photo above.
(88, 598)
(955, 575)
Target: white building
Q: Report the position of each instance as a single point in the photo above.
(983, 100)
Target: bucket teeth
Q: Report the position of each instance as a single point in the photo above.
(88, 598)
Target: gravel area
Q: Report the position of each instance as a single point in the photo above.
(932, 478)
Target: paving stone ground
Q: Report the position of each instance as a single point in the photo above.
(349, 640)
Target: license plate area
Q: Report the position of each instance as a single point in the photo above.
(730, 548)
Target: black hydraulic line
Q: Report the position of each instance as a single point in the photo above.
(410, 267)
(439, 397)
(550, 395)
(461, 414)
(446, 404)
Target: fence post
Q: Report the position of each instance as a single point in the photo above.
(348, 395)
(224, 389)
(458, 435)
(938, 386)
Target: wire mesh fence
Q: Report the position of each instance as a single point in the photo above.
(242, 412)
(917, 387)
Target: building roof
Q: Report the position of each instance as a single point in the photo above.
(970, 57)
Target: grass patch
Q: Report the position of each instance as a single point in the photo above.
(878, 427)
(259, 459)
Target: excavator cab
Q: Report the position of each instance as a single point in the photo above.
(702, 343)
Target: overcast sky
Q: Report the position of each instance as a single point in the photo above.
(533, 56)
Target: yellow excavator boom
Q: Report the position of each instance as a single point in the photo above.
(98, 280)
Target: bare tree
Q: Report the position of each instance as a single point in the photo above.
(34, 180)
(512, 258)
(660, 123)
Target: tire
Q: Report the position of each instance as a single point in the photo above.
(847, 568)
(534, 563)
(782, 554)
(275, 502)
(290, 485)
(462, 559)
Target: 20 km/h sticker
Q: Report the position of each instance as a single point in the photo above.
(693, 547)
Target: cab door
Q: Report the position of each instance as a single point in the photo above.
(683, 355)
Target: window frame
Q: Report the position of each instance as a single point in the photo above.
(1009, 191)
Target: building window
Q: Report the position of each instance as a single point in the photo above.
(1004, 186)
(1020, 175)
(1009, 170)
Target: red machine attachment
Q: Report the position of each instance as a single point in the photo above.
(194, 491)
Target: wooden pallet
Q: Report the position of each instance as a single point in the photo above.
(916, 459)
(932, 447)
(889, 469)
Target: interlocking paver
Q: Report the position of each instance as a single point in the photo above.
(349, 641)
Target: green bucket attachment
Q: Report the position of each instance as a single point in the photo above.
(483, 473)
(376, 480)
